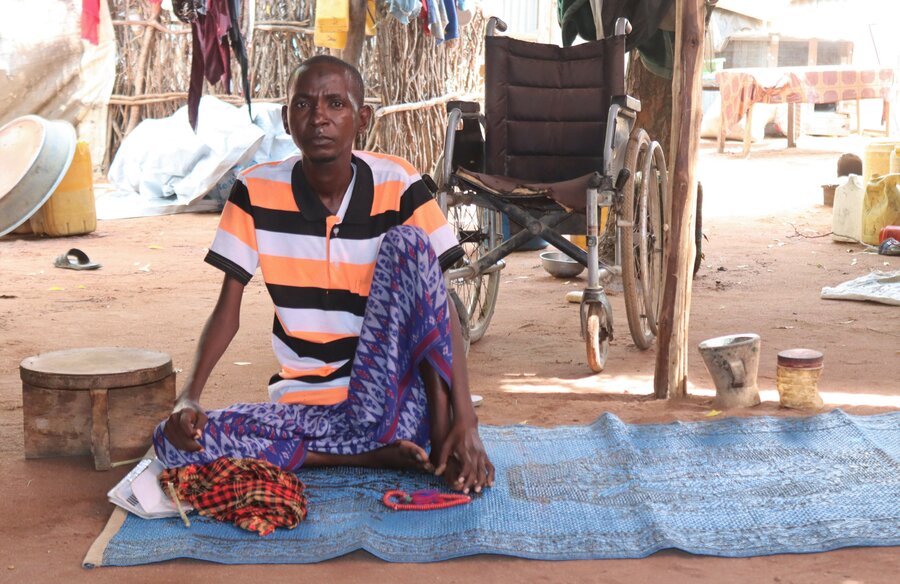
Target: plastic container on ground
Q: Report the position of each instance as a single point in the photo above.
(70, 210)
(889, 231)
(895, 160)
(880, 207)
(581, 240)
(877, 158)
(846, 215)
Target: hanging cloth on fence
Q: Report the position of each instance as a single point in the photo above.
(576, 17)
(214, 32)
(404, 10)
(440, 19)
(90, 20)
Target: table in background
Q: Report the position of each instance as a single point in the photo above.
(740, 89)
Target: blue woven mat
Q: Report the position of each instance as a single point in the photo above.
(729, 487)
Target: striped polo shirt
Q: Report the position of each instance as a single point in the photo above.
(317, 266)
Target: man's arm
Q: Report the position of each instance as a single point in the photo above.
(463, 441)
(185, 425)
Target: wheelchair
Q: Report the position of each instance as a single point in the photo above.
(555, 151)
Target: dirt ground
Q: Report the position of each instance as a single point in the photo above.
(763, 270)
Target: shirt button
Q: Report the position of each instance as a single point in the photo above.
(335, 231)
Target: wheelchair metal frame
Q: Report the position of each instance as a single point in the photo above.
(605, 190)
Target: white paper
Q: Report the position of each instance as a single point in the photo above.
(139, 492)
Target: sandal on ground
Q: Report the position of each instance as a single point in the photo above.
(75, 259)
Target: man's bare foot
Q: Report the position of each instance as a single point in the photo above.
(401, 455)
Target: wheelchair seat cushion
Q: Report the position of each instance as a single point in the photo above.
(570, 194)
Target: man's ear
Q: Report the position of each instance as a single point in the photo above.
(284, 119)
(365, 114)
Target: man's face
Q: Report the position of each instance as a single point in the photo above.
(321, 114)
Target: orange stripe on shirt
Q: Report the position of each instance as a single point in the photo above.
(428, 216)
(315, 397)
(271, 194)
(284, 271)
(250, 169)
(323, 371)
(313, 337)
(404, 164)
(387, 196)
(237, 222)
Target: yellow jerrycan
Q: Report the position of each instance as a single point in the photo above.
(70, 210)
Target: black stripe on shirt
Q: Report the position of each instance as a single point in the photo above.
(342, 371)
(415, 195)
(286, 222)
(317, 298)
(327, 352)
(240, 196)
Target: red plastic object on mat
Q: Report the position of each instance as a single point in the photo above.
(889, 231)
(426, 500)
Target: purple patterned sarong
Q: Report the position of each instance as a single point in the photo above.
(406, 321)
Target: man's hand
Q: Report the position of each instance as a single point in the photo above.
(185, 426)
(463, 454)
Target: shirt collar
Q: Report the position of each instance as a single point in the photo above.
(311, 207)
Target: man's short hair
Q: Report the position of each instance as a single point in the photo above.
(357, 85)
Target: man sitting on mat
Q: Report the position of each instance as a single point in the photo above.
(351, 246)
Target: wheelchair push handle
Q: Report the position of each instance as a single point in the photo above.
(622, 26)
(495, 24)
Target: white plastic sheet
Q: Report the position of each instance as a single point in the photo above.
(163, 167)
(883, 287)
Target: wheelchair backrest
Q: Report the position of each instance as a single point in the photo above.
(546, 106)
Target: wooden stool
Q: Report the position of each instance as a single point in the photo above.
(102, 401)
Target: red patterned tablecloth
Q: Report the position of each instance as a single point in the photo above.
(741, 88)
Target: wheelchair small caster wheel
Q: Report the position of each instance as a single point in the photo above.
(598, 332)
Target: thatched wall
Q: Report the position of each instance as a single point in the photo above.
(403, 68)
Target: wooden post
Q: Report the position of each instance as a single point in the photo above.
(748, 131)
(356, 36)
(670, 378)
(143, 60)
(100, 429)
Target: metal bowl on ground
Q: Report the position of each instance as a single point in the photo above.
(559, 265)
(36, 154)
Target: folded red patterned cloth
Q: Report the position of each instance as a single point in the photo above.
(252, 494)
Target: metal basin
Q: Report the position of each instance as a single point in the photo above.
(559, 265)
(35, 155)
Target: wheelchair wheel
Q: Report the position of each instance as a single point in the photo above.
(478, 230)
(463, 319)
(643, 240)
(597, 336)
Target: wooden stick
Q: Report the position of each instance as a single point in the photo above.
(356, 36)
(670, 378)
(152, 24)
(151, 98)
(174, 494)
(146, 41)
(284, 27)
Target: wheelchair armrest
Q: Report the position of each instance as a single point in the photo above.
(466, 107)
(627, 102)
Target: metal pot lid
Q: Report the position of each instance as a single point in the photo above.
(36, 155)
